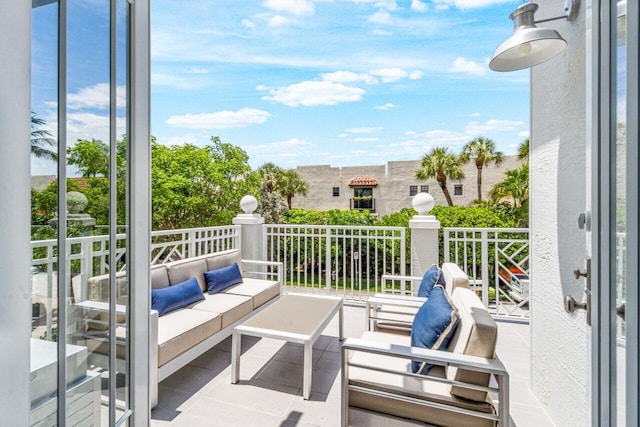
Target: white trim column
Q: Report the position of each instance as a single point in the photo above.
(425, 248)
(251, 241)
(15, 185)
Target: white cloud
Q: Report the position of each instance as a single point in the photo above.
(96, 96)
(463, 65)
(474, 114)
(416, 75)
(380, 17)
(288, 153)
(311, 93)
(385, 107)
(493, 125)
(469, 4)
(379, 32)
(221, 119)
(248, 24)
(524, 134)
(278, 21)
(343, 135)
(364, 129)
(418, 6)
(363, 139)
(389, 75)
(178, 140)
(295, 7)
(349, 77)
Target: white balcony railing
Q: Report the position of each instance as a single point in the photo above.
(497, 262)
(346, 260)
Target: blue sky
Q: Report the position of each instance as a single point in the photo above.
(340, 82)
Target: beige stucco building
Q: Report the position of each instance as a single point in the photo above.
(387, 189)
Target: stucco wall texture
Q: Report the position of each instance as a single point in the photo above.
(560, 364)
(394, 181)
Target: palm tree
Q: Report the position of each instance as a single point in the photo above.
(441, 164)
(270, 175)
(484, 151)
(514, 185)
(523, 150)
(40, 139)
(290, 184)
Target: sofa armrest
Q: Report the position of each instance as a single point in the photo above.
(153, 359)
(268, 270)
(435, 357)
(403, 282)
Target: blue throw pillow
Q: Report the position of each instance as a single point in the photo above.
(432, 277)
(434, 325)
(222, 278)
(176, 296)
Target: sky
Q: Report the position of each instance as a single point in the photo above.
(305, 82)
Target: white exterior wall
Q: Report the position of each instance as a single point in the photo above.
(559, 341)
(392, 192)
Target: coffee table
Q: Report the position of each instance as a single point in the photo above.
(294, 318)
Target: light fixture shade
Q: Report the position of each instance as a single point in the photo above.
(529, 44)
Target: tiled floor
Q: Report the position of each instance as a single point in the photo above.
(270, 389)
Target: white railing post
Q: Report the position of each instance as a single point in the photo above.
(424, 235)
(484, 260)
(250, 229)
(446, 256)
(191, 244)
(327, 269)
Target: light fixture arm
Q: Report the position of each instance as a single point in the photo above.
(570, 12)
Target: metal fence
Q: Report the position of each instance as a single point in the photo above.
(344, 260)
(497, 262)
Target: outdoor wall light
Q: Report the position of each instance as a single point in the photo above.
(530, 45)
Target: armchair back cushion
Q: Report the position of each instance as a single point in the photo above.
(476, 335)
(159, 277)
(454, 277)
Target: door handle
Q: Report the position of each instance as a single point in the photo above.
(570, 303)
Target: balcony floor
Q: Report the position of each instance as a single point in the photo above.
(270, 389)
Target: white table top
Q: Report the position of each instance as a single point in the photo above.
(295, 314)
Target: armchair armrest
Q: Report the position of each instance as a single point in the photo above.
(403, 280)
(473, 363)
(396, 312)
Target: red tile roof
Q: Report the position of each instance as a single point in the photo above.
(363, 181)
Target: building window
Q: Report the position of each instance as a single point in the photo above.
(413, 190)
(457, 190)
(424, 188)
(336, 191)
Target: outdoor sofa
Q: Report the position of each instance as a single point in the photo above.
(183, 334)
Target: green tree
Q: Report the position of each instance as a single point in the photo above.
(523, 150)
(440, 164)
(41, 142)
(91, 157)
(291, 183)
(484, 152)
(196, 187)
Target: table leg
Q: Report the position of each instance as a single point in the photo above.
(308, 370)
(235, 357)
(341, 323)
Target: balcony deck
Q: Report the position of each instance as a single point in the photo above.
(270, 389)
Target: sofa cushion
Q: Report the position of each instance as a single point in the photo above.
(432, 276)
(476, 336)
(222, 278)
(223, 259)
(179, 271)
(177, 296)
(180, 330)
(454, 277)
(231, 307)
(422, 388)
(260, 291)
(159, 277)
(434, 325)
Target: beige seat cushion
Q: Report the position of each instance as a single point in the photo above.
(260, 291)
(231, 307)
(476, 335)
(182, 329)
(423, 389)
(454, 277)
(224, 259)
(179, 271)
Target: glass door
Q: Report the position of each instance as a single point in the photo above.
(615, 209)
